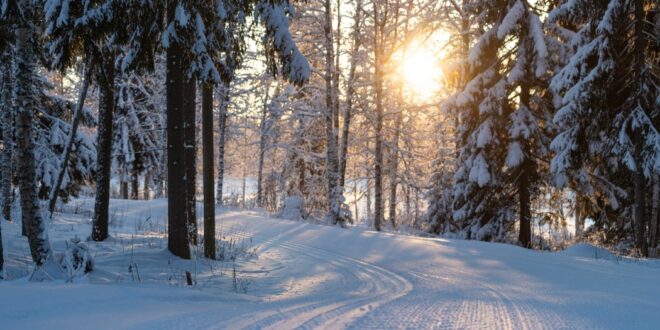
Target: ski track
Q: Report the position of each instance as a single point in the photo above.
(378, 298)
(370, 286)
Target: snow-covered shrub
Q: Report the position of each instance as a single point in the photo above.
(293, 209)
(76, 260)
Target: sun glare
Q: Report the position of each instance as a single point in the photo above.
(420, 73)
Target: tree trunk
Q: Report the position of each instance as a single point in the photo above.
(123, 186)
(640, 210)
(379, 39)
(7, 146)
(331, 132)
(654, 226)
(355, 197)
(394, 169)
(524, 198)
(135, 182)
(525, 233)
(145, 186)
(25, 105)
(2, 255)
(177, 222)
(64, 163)
(579, 215)
(336, 35)
(378, 161)
(222, 127)
(368, 188)
(243, 184)
(207, 159)
(189, 117)
(350, 90)
(106, 80)
(7, 120)
(640, 182)
(262, 150)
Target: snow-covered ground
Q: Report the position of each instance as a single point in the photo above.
(296, 275)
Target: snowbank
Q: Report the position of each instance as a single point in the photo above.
(585, 250)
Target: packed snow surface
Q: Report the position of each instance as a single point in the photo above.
(312, 276)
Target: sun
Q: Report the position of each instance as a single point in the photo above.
(420, 73)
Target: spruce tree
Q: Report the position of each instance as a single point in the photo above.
(606, 74)
(502, 134)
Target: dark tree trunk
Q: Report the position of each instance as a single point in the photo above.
(2, 255)
(145, 186)
(7, 120)
(654, 229)
(579, 215)
(190, 122)
(106, 79)
(640, 211)
(72, 138)
(135, 183)
(7, 144)
(525, 234)
(524, 184)
(222, 127)
(177, 222)
(640, 181)
(207, 159)
(123, 187)
(24, 102)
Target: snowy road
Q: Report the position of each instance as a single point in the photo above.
(310, 276)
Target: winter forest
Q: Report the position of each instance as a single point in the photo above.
(330, 163)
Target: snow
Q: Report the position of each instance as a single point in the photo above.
(513, 16)
(479, 172)
(180, 15)
(312, 276)
(515, 155)
(484, 135)
(293, 209)
(274, 17)
(584, 250)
